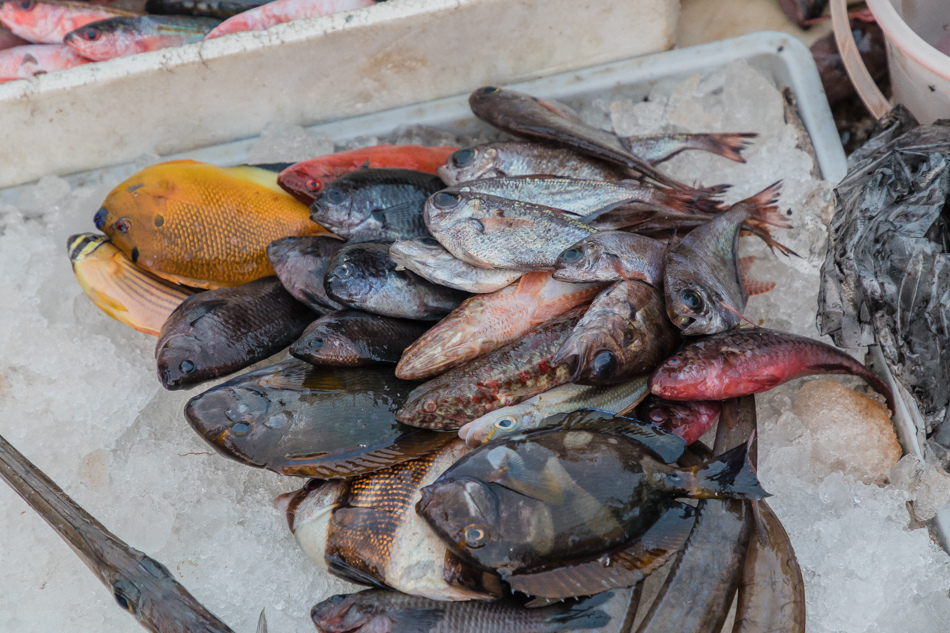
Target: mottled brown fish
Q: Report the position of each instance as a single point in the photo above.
(350, 338)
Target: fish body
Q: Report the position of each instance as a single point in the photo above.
(428, 259)
(523, 115)
(752, 360)
(362, 276)
(688, 420)
(279, 11)
(611, 256)
(703, 285)
(625, 333)
(484, 323)
(9, 40)
(555, 497)
(502, 159)
(376, 204)
(301, 265)
(214, 333)
(493, 232)
(306, 179)
(302, 420)
(119, 288)
(118, 37)
(23, 62)
(376, 611)
(140, 584)
(501, 378)
(200, 225)
(48, 21)
(220, 9)
(662, 147)
(536, 412)
(350, 338)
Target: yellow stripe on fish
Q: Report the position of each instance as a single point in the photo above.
(200, 225)
(118, 287)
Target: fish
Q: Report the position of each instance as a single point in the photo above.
(703, 285)
(506, 376)
(500, 159)
(220, 9)
(279, 11)
(23, 62)
(871, 45)
(373, 535)
(376, 611)
(220, 331)
(429, 259)
(484, 323)
(140, 585)
(612, 256)
(624, 333)
(566, 512)
(306, 179)
(376, 204)
(200, 225)
(350, 338)
(688, 420)
(48, 21)
(541, 410)
(9, 40)
(302, 420)
(752, 360)
(662, 147)
(301, 264)
(119, 288)
(802, 12)
(119, 37)
(362, 276)
(492, 232)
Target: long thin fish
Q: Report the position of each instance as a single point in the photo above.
(280, 11)
(122, 36)
(141, 585)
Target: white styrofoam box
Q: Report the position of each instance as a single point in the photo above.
(308, 71)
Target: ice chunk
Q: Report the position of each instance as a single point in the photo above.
(927, 485)
(284, 143)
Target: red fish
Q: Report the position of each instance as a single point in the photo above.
(21, 62)
(279, 11)
(742, 362)
(306, 179)
(9, 40)
(118, 37)
(688, 420)
(48, 22)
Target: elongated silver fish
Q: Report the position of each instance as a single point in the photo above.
(140, 584)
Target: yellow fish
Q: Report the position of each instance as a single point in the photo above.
(200, 225)
(118, 287)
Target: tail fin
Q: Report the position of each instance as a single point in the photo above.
(763, 214)
(656, 149)
(692, 201)
(728, 476)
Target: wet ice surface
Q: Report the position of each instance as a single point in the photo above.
(78, 396)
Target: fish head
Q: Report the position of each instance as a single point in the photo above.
(358, 271)
(696, 300)
(444, 208)
(105, 39)
(680, 375)
(345, 613)
(87, 246)
(470, 163)
(237, 421)
(302, 183)
(323, 343)
(311, 505)
(343, 206)
(30, 19)
(592, 354)
(580, 262)
(182, 359)
(688, 420)
(494, 425)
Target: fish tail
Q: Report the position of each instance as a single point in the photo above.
(726, 145)
(728, 476)
(693, 201)
(656, 149)
(763, 214)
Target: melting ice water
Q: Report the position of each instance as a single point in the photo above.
(79, 397)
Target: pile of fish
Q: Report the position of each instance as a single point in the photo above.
(505, 357)
(42, 36)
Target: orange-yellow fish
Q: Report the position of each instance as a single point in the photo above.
(120, 288)
(200, 225)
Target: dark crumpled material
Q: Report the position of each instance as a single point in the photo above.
(886, 277)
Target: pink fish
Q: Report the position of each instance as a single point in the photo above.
(48, 22)
(21, 62)
(689, 420)
(9, 40)
(280, 11)
(118, 37)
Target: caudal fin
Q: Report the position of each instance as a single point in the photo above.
(728, 476)
(764, 215)
(656, 149)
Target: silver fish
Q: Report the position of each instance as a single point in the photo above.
(428, 259)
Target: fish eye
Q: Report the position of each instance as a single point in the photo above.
(334, 196)
(657, 416)
(463, 157)
(126, 594)
(445, 200)
(240, 429)
(674, 361)
(186, 366)
(26, 5)
(91, 33)
(100, 218)
(571, 255)
(505, 423)
(314, 185)
(604, 365)
(343, 271)
(429, 241)
(692, 300)
(489, 90)
(475, 536)
(122, 225)
(316, 343)
(430, 406)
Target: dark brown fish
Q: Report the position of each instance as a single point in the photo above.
(624, 333)
(363, 276)
(704, 290)
(611, 256)
(220, 331)
(350, 338)
(298, 419)
(503, 377)
(301, 264)
(834, 78)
